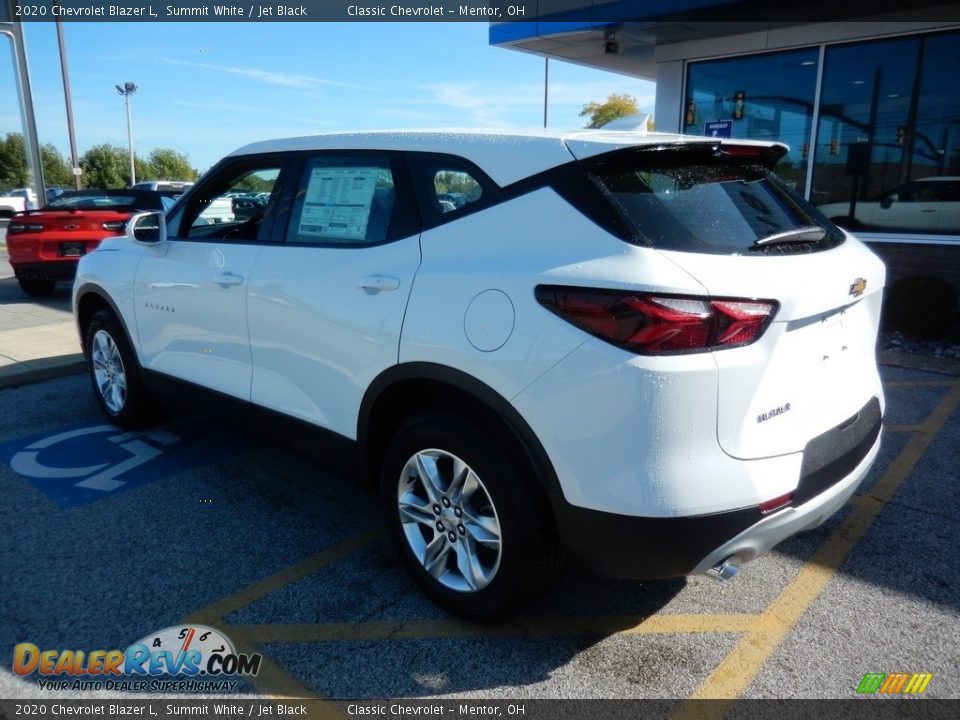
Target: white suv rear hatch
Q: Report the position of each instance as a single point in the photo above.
(716, 211)
(815, 367)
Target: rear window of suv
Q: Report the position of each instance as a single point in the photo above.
(708, 201)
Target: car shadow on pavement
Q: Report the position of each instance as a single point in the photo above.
(59, 299)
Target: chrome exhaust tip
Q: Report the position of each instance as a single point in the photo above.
(725, 570)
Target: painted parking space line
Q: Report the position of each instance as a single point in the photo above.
(215, 612)
(273, 680)
(918, 383)
(737, 671)
(902, 428)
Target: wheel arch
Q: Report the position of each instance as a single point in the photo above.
(403, 391)
(90, 299)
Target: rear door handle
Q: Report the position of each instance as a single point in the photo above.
(378, 283)
(226, 279)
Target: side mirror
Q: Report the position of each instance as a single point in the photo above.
(888, 201)
(147, 227)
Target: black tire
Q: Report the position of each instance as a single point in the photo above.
(37, 287)
(112, 363)
(501, 495)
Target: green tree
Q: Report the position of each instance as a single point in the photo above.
(616, 106)
(13, 162)
(56, 170)
(105, 166)
(167, 164)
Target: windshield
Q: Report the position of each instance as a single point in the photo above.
(107, 200)
(720, 205)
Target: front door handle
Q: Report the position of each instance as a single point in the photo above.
(378, 283)
(226, 279)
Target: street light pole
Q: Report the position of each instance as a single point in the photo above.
(127, 90)
(546, 83)
(74, 160)
(14, 30)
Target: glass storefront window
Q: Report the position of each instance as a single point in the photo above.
(887, 153)
(764, 97)
(861, 144)
(888, 144)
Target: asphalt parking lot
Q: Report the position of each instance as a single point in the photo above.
(109, 537)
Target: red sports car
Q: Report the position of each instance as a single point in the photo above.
(45, 245)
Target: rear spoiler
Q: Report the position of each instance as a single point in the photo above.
(707, 150)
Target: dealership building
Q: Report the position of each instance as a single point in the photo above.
(866, 96)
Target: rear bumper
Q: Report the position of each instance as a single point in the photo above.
(658, 547)
(761, 537)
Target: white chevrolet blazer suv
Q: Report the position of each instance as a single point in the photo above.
(639, 351)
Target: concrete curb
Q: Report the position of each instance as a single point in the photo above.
(33, 371)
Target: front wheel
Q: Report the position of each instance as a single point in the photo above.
(115, 373)
(466, 520)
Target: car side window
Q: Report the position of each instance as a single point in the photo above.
(454, 189)
(344, 201)
(450, 187)
(232, 205)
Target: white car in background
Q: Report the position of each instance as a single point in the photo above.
(642, 352)
(10, 205)
(172, 187)
(17, 200)
(927, 205)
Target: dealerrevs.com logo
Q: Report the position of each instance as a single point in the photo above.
(175, 659)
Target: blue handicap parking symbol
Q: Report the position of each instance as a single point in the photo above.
(79, 464)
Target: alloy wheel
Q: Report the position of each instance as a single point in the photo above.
(108, 371)
(449, 520)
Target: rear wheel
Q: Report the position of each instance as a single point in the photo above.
(37, 286)
(465, 520)
(115, 373)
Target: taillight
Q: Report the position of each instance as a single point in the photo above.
(652, 324)
(113, 225)
(778, 502)
(15, 228)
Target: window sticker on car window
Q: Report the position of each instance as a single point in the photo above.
(337, 203)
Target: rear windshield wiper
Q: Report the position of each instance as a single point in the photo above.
(808, 234)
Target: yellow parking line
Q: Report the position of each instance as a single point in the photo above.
(918, 383)
(215, 612)
(762, 633)
(902, 428)
(437, 629)
(271, 680)
(738, 670)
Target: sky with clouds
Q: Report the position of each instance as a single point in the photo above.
(205, 89)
